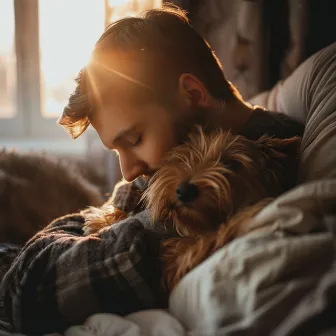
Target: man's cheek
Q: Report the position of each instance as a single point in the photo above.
(158, 152)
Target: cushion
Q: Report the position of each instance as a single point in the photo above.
(263, 283)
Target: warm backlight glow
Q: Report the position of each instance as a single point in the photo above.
(122, 8)
(68, 31)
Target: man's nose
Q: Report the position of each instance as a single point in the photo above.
(131, 168)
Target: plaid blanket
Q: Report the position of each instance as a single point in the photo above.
(8, 253)
(127, 196)
(61, 277)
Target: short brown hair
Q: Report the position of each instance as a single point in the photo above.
(166, 45)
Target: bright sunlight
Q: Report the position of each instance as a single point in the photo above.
(68, 31)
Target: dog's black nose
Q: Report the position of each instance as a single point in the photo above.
(186, 192)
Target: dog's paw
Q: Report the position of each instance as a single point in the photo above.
(99, 218)
(91, 228)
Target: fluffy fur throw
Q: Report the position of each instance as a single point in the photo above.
(36, 189)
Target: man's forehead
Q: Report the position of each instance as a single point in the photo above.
(106, 112)
(113, 119)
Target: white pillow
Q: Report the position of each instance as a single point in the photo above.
(309, 96)
(251, 285)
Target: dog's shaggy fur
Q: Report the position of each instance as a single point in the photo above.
(229, 173)
(36, 189)
(209, 187)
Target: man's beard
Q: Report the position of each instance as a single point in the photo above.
(183, 125)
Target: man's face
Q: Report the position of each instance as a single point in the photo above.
(141, 135)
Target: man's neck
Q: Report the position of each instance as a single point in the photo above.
(233, 115)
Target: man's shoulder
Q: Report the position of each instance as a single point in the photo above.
(127, 196)
(274, 124)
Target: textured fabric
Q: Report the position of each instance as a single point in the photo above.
(62, 277)
(261, 42)
(311, 92)
(261, 284)
(8, 253)
(145, 323)
(308, 96)
(273, 124)
(127, 196)
(280, 278)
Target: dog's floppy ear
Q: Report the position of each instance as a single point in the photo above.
(281, 147)
(284, 152)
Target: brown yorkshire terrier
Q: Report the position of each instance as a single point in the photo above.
(209, 187)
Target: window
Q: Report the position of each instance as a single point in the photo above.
(7, 61)
(68, 31)
(43, 45)
(117, 9)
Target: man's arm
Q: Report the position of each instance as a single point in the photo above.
(127, 196)
(61, 277)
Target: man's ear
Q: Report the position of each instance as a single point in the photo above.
(192, 92)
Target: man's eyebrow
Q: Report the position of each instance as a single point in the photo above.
(122, 134)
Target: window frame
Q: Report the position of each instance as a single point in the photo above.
(28, 120)
(28, 123)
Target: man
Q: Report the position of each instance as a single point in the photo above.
(150, 80)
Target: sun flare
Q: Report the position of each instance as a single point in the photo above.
(68, 32)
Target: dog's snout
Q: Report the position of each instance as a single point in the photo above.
(186, 192)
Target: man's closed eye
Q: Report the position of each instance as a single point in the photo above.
(135, 140)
